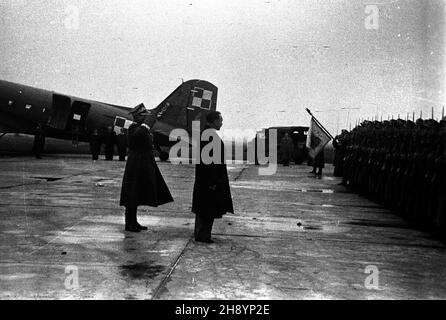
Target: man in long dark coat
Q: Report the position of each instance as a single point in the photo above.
(318, 163)
(339, 150)
(109, 142)
(39, 141)
(286, 149)
(212, 195)
(121, 142)
(143, 183)
(95, 145)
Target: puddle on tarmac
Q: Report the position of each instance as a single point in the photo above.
(141, 270)
(302, 226)
(50, 179)
(312, 228)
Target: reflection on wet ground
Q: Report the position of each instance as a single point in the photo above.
(142, 270)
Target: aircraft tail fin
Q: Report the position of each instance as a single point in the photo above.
(191, 101)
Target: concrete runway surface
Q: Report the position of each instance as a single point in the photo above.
(292, 237)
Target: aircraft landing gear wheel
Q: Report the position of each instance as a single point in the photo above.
(164, 156)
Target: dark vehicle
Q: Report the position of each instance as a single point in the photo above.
(297, 134)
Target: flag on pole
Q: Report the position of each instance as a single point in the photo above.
(317, 138)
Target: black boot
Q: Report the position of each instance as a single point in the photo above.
(141, 227)
(130, 220)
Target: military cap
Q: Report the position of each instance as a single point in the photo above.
(431, 122)
(140, 109)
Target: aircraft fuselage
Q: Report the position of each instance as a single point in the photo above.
(23, 107)
(63, 116)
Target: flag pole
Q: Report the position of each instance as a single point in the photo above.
(320, 125)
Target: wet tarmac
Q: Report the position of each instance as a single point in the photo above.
(292, 237)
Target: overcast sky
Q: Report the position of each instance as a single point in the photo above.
(270, 59)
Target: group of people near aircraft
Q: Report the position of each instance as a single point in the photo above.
(112, 142)
(143, 183)
(109, 139)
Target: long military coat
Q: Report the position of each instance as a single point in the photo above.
(318, 161)
(95, 144)
(286, 149)
(39, 141)
(109, 139)
(205, 201)
(143, 183)
(121, 142)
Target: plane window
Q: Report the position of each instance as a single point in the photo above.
(28, 107)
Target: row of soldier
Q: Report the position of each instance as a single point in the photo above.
(399, 163)
(109, 139)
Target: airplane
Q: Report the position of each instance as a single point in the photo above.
(67, 117)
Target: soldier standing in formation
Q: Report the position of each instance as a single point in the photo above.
(402, 165)
(339, 149)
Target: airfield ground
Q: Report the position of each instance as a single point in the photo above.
(292, 237)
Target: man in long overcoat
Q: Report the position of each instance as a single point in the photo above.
(212, 195)
(109, 142)
(95, 144)
(39, 141)
(286, 149)
(339, 150)
(318, 163)
(121, 142)
(143, 183)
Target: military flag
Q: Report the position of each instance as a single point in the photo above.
(317, 137)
